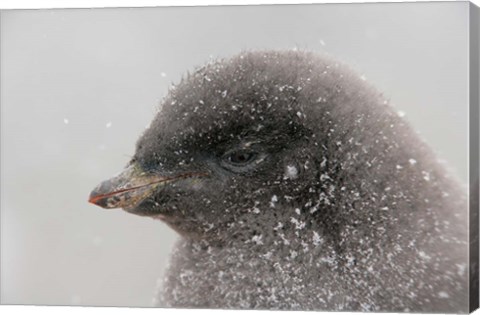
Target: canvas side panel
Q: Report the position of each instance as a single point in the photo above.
(1, 150)
(474, 153)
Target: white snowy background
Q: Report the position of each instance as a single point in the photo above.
(79, 86)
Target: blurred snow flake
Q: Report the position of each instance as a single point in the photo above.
(273, 201)
(109, 124)
(163, 74)
(257, 239)
(317, 240)
(65, 121)
(291, 172)
(461, 269)
(426, 176)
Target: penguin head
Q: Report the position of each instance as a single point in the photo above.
(237, 146)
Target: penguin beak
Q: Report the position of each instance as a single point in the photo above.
(126, 189)
(130, 187)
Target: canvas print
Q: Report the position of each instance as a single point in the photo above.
(295, 157)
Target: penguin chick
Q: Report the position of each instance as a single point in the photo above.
(292, 185)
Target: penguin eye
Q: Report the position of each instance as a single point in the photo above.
(240, 157)
(240, 160)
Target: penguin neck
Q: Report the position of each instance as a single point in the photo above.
(289, 241)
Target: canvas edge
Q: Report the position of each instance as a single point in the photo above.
(474, 42)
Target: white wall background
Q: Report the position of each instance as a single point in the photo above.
(104, 72)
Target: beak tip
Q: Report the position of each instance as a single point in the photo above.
(91, 200)
(96, 199)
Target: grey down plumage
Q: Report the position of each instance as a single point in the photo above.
(310, 193)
